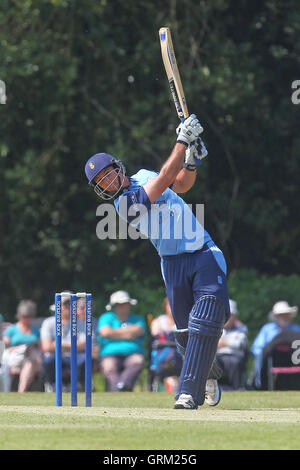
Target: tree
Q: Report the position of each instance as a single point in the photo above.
(83, 77)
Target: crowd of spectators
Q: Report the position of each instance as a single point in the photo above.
(120, 352)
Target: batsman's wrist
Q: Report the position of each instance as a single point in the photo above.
(179, 141)
(189, 167)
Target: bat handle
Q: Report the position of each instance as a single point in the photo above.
(182, 119)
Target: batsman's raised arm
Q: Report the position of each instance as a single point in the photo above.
(184, 180)
(172, 172)
(169, 171)
(195, 152)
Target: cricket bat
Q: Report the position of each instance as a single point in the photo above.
(169, 60)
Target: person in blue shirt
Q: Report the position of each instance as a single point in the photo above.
(193, 267)
(281, 317)
(165, 360)
(22, 342)
(121, 339)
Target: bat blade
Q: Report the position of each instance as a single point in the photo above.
(170, 63)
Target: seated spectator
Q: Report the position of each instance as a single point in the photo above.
(48, 348)
(4, 370)
(231, 353)
(281, 318)
(1, 325)
(121, 338)
(22, 347)
(166, 361)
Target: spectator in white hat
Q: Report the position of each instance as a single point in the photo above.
(231, 352)
(281, 317)
(121, 339)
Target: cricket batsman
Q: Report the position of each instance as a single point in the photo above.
(194, 273)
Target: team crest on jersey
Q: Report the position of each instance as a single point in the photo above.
(133, 198)
(92, 166)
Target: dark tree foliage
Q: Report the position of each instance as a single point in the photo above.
(87, 76)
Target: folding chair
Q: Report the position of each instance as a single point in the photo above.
(279, 363)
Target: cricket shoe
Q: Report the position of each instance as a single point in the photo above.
(185, 402)
(212, 392)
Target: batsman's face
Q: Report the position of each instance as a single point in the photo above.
(108, 179)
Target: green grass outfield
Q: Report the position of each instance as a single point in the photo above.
(144, 420)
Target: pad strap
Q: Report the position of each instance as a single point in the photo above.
(207, 316)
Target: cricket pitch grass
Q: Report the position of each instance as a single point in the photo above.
(144, 420)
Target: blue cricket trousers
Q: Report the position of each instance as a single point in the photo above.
(188, 276)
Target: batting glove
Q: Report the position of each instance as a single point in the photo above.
(189, 130)
(194, 154)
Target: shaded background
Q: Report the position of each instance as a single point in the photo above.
(87, 76)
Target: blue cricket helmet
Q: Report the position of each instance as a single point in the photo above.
(95, 165)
